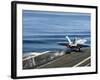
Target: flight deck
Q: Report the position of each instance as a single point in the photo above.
(57, 59)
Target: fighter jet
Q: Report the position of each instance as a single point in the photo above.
(75, 44)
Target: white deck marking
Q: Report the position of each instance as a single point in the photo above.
(88, 64)
(82, 62)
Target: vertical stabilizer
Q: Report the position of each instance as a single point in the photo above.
(68, 39)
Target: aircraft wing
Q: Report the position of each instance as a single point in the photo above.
(78, 45)
(63, 43)
(83, 45)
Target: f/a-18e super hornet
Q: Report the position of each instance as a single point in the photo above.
(76, 44)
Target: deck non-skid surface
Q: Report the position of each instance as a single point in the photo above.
(72, 59)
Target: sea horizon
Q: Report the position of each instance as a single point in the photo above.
(42, 30)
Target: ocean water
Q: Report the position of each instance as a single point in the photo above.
(42, 30)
